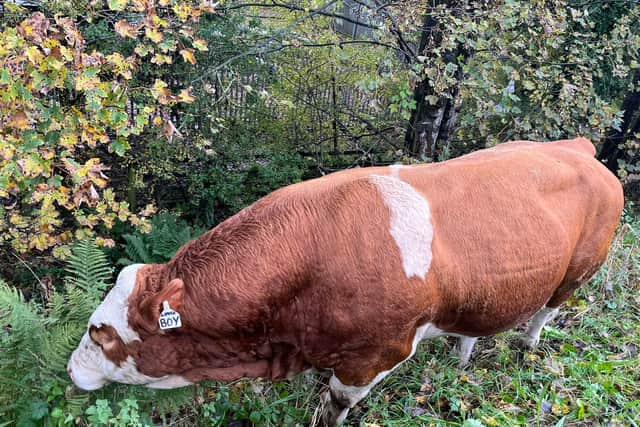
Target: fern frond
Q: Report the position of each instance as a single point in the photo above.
(88, 268)
(137, 250)
(21, 334)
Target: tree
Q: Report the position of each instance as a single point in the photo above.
(619, 150)
(434, 117)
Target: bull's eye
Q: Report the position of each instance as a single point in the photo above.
(96, 343)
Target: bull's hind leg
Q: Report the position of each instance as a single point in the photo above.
(532, 336)
(572, 281)
(464, 348)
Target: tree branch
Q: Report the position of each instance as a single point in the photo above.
(292, 7)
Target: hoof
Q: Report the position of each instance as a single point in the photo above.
(333, 414)
(462, 364)
(527, 343)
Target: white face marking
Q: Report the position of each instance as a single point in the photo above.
(89, 368)
(410, 223)
(114, 309)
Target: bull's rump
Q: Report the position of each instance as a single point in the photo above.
(509, 224)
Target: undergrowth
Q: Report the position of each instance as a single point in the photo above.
(585, 372)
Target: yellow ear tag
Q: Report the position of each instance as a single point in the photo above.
(169, 319)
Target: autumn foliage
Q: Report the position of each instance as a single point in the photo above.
(63, 107)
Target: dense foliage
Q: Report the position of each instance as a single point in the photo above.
(113, 110)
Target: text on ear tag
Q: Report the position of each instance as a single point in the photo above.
(169, 319)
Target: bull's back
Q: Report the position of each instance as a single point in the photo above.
(510, 227)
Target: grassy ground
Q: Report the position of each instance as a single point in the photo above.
(585, 372)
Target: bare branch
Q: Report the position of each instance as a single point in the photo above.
(292, 7)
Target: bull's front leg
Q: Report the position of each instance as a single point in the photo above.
(351, 382)
(340, 398)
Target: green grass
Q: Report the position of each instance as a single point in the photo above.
(585, 372)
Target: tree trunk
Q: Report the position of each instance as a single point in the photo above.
(613, 153)
(431, 125)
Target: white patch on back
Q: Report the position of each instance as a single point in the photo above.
(114, 309)
(410, 223)
(395, 170)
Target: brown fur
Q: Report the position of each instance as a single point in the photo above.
(310, 276)
(110, 342)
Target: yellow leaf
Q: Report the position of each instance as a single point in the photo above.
(7, 152)
(121, 65)
(185, 96)
(125, 29)
(30, 167)
(19, 120)
(101, 241)
(157, 121)
(66, 53)
(187, 55)
(161, 92)
(69, 140)
(159, 22)
(560, 409)
(61, 252)
(18, 220)
(200, 44)
(34, 55)
(39, 241)
(143, 50)
(139, 5)
(92, 136)
(117, 4)
(490, 421)
(182, 11)
(160, 59)
(153, 34)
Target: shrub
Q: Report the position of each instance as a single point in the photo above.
(168, 234)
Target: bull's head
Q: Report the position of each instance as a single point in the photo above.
(109, 348)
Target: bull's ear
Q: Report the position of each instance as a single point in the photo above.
(102, 337)
(172, 292)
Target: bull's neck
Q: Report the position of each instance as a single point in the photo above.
(250, 258)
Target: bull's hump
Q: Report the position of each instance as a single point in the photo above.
(410, 224)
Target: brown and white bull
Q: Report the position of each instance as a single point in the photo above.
(350, 271)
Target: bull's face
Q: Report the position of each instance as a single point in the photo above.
(107, 350)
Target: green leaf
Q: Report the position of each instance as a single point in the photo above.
(119, 146)
(117, 4)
